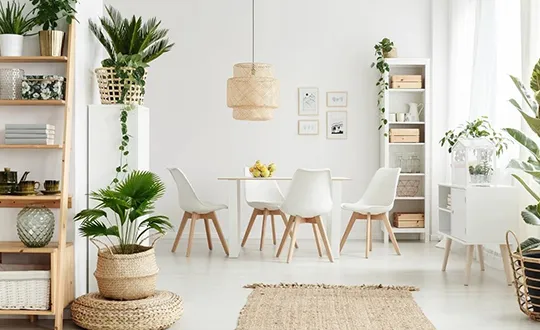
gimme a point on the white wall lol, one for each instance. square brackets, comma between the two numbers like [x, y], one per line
[327, 44]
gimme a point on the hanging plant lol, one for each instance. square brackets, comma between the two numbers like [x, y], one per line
[382, 49]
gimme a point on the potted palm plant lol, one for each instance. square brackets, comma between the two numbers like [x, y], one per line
[14, 25]
[131, 44]
[528, 255]
[126, 269]
[48, 13]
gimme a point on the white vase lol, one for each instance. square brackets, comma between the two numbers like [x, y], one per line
[11, 44]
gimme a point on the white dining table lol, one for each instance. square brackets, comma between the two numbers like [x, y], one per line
[236, 196]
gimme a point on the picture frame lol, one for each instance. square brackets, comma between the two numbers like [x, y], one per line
[337, 99]
[336, 125]
[308, 101]
[308, 127]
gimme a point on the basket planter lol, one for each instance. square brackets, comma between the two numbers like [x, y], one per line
[127, 276]
[110, 87]
[526, 270]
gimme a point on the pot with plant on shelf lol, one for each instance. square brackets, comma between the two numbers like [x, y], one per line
[14, 26]
[48, 13]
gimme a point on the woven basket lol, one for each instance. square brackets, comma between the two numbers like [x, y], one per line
[127, 276]
[408, 188]
[110, 87]
[526, 279]
[24, 287]
[95, 312]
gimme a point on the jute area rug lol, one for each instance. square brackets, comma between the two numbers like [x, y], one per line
[331, 307]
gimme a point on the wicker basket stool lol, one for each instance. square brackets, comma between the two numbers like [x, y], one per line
[94, 312]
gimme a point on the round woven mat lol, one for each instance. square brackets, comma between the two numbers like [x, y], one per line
[159, 311]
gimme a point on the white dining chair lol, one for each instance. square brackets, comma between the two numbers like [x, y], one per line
[195, 209]
[309, 197]
[374, 204]
[265, 197]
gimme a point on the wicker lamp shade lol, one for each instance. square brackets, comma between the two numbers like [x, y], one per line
[252, 92]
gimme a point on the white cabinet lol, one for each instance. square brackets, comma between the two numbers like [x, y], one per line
[477, 215]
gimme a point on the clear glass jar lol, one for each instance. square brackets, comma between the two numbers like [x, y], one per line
[415, 164]
[35, 225]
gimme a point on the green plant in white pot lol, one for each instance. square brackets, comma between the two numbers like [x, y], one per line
[48, 13]
[126, 269]
[14, 25]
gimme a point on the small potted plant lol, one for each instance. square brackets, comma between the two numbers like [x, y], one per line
[126, 269]
[48, 13]
[131, 44]
[383, 50]
[14, 25]
[481, 173]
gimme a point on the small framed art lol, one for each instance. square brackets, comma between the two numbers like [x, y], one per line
[336, 125]
[308, 127]
[337, 99]
[308, 101]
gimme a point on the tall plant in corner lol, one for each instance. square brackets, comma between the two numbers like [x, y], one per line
[131, 44]
[382, 49]
[531, 115]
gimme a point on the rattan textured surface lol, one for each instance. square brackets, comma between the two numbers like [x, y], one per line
[110, 87]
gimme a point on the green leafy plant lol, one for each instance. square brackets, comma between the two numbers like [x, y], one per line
[13, 21]
[124, 213]
[381, 49]
[49, 12]
[481, 169]
[478, 128]
[531, 115]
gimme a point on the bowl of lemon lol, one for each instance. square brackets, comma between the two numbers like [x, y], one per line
[260, 170]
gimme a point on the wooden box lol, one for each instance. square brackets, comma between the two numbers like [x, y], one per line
[408, 220]
[404, 135]
[406, 78]
[406, 84]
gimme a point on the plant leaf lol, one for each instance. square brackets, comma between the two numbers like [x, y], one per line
[527, 95]
[522, 139]
[531, 215]
[526, 186]
[530, 243]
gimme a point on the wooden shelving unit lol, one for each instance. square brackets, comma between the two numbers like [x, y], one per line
[61, 252]
[395, 101]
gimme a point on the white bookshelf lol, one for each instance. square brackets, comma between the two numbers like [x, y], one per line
[396, 101]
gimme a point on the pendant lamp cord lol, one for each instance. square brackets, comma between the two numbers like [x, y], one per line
[253, 31]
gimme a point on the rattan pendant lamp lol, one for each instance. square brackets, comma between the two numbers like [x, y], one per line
[252, 92]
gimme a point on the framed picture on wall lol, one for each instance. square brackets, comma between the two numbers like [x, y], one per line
[308, 101]
[336, 125]
[337, 99]
[308, 127]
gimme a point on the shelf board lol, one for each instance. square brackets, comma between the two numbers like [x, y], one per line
[406, 90]
[412, 174]
[21, 201]
[415, 198]
[24, 312]
[32, 102]
[19, 247]
[406, 143]
[33, 59]
[31, 146]
[406, 123]
[445, 209]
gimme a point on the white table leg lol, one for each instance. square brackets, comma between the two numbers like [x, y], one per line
[235, 216]
[507, 263]
[334, 220]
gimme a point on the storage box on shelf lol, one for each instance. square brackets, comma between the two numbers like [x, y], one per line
[407, 142]
[408, 220]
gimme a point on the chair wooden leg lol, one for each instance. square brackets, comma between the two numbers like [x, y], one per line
[368, 234]
[293, 239]
[274, 240]
[250, 226]
[324, 237]
[285, 223]
[468, 264]
[263, 228]
[507, 263]
[219, 232]
[180, 231]
[391, 233]
[316, 234]
[208, 234]
[194, 217]
[347, 231]
[288, 225]
[447, 248]
[481, 257]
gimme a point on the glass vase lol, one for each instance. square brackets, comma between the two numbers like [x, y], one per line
[35, 225]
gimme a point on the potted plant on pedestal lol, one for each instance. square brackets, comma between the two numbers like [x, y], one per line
[131, 44]
[126, 269]
[48, 12]
[14, 25]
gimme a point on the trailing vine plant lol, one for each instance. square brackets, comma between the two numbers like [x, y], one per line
[381, 49]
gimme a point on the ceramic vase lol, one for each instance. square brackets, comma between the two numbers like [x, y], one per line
[35, 225]
[11, 44]
[11, 84]
[51, 42]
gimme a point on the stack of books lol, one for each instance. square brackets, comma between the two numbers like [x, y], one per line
[29, 134]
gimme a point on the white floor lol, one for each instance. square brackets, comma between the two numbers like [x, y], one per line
[211, 285]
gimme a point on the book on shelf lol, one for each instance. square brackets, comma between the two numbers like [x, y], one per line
[30, 131]
[29, 126]
[29, 136]
[29, 141]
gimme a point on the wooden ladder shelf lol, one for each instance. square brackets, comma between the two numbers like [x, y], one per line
[62, 263]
